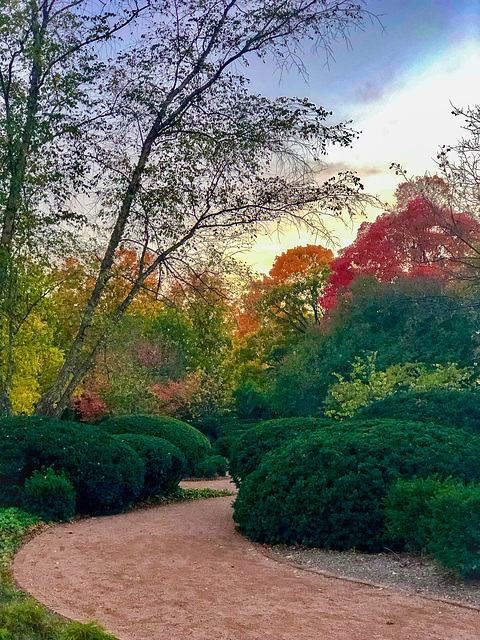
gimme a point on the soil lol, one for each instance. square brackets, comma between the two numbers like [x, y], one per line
[182, 572]
[412, 573]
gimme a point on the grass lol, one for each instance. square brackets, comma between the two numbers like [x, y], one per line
[187, 495]
[21, 617]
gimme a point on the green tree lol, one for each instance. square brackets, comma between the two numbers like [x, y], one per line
[182, 161]
[366, 384]
[411, 320]
[48, 62]
[29, 351]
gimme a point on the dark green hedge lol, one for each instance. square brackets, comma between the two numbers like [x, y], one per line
[164, 463]
[248, 450]
[438, 517]
[193, 444]
[212, 466]
[444, 406]
[228, 433]
[107, 474]
[49, 495]
[327, 489]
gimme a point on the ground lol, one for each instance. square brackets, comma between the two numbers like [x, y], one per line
[182, 572]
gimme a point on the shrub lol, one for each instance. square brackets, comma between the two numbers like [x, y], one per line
[405, 506]
[248, 450]
[444, 406]
[49, 495]
[13, 522]
[164, 463]
[27, 619]
[444, 521]
[228, 433]
[106, 473]
[451, 528]
[211, 466]
[193, 444]
[250, 403]
[88, 631]
[367, 384]
[327, 489]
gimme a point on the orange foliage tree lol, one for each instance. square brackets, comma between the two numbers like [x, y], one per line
[289, 294]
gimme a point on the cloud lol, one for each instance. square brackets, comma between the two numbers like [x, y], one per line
[363, 170]
[369, 92]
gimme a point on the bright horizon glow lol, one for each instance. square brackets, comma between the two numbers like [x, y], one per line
[406, 124]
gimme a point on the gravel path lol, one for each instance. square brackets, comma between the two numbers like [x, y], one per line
[181, 572]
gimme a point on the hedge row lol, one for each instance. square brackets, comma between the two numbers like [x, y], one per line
[454, 407]
[193, 444]
[328, 488]
[58, 467]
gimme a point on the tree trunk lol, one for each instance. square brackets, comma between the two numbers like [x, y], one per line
[71, 372]
[18, 169]
[5, 404]
[6, 410]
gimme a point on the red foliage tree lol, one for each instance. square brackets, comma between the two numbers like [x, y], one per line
[422, 236]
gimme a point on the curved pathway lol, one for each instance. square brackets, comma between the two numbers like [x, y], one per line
[181, 572]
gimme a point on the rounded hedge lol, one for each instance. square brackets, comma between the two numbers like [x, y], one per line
[212, 466]
[49, 495]
[248, 450]
[164, 463]
[228, 432]
[443, 406]
[107, 474]
[327, 489]
[193, 444]
[438, 517]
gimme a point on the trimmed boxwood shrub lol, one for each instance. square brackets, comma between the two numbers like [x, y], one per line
[211, 466]
[451, 528]
[228, 433]
[443, 406]
[327, 489]
[106, 473]
[193, 444]
[49, 495]
[405, 505]
[164, 463]
[248, 450]
[439, 517]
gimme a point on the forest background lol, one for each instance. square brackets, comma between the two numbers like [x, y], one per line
[135, 161]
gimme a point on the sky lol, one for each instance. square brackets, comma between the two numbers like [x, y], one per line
[397, 81]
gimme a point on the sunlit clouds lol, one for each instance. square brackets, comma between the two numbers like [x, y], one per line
[404, 116]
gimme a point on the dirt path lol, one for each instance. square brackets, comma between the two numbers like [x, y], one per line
[181, 572]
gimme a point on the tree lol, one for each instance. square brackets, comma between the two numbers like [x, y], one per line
[421, 236]
[277, 311]
[366, 384]
[181, 156]
[47, 64]
[298, 278]
[163, 359]
[459, 163]
[289, 294]
[29, 351]
[409, 320]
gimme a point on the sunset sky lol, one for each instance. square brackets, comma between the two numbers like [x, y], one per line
[397, 85]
